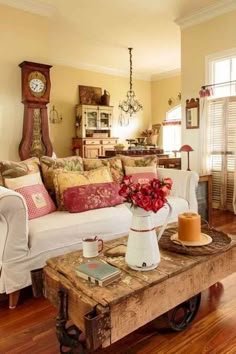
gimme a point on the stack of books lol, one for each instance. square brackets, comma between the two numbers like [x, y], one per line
[98, 272]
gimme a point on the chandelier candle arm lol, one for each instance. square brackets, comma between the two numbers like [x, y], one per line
[130, 104]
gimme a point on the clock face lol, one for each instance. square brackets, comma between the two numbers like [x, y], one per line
[37, 83]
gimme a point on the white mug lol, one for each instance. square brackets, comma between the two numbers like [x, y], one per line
[92, 246]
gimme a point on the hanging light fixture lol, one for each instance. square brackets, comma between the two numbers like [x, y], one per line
[130, 104]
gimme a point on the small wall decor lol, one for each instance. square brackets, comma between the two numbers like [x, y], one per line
[54, 116]
[192, 113]
[90, 95]
[172, 100]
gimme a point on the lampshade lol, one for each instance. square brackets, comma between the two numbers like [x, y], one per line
[186, 148]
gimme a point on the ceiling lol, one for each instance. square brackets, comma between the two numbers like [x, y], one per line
[95, 34]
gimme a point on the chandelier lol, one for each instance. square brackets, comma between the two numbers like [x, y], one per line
[130, 104]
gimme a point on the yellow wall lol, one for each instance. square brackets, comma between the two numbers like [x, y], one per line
[65, 95]
[22, 37]
[26, 36]
[161, 91]
[197, 43]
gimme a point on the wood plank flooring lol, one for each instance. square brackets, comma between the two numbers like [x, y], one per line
[30, 328]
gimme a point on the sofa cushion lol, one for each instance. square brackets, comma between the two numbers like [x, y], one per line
[114, 163]
[12, 169]
[61, 229]
[92, 196]
[141, 174]
[49, 165]
[37, 199]
[66, 179]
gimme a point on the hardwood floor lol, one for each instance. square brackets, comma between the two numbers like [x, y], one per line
[30, 328]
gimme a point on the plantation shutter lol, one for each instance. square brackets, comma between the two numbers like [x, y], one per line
[222, 128]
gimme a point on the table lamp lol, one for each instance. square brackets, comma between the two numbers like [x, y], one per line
[186, 148]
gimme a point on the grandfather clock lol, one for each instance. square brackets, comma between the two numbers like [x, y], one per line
[35, 97]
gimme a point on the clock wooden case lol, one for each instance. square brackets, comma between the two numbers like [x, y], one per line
[36, 85]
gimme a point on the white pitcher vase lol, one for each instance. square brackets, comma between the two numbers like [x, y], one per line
[142, 248]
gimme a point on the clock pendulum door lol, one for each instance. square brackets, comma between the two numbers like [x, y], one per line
[35, 139]
[35, 96]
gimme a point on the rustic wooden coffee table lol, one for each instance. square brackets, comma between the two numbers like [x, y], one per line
[107, 314]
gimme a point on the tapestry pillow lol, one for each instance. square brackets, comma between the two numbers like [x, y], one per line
[49, 165]
[114, 163]
[12, 169]
[139, 161]
[35, 194]
[92, 196]
[66, 179]
[141, 175]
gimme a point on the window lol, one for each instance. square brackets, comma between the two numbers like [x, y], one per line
[221, 112]
[222, 71]
[172, 130]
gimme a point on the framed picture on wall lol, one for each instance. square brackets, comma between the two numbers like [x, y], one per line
[90, 95]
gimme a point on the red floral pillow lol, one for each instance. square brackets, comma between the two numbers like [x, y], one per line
[92, 196]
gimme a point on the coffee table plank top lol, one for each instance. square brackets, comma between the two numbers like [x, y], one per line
[131, 281]
[138, 297]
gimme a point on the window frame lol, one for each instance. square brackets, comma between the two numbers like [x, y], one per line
[172, 122]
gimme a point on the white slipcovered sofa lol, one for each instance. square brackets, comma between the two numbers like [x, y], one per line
[25, 244]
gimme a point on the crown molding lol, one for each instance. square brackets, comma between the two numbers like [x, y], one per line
[100, 69]
[207, 13]
[32, 6]
[165, 75]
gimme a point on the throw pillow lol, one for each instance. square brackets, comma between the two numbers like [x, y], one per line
[141, 174]
[139, 161]
[114, 163]
[92, 196]
[35, 194]
[66, 179]
[12, 169]
[49, 165]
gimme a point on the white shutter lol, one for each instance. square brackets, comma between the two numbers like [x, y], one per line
[230, 148]
[221, 144]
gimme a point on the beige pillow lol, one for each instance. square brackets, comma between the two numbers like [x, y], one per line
[114, 163]
[12, 169]
[66, 179]
[49, 165]
[139, 161]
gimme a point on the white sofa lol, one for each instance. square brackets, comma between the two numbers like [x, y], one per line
[26, 245]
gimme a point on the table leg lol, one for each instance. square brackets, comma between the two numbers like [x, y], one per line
[68, 337]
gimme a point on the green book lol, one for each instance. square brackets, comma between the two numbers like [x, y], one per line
[98, 272]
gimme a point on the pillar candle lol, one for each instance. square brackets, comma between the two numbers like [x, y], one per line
[189, 227]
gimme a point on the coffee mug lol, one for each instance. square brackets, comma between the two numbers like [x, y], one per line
[92, 246]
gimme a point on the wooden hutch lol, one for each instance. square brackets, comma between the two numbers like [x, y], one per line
[93, 131]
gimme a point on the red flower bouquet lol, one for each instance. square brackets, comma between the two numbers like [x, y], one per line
[150, 196]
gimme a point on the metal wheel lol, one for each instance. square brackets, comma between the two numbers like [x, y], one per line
[182, 315]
